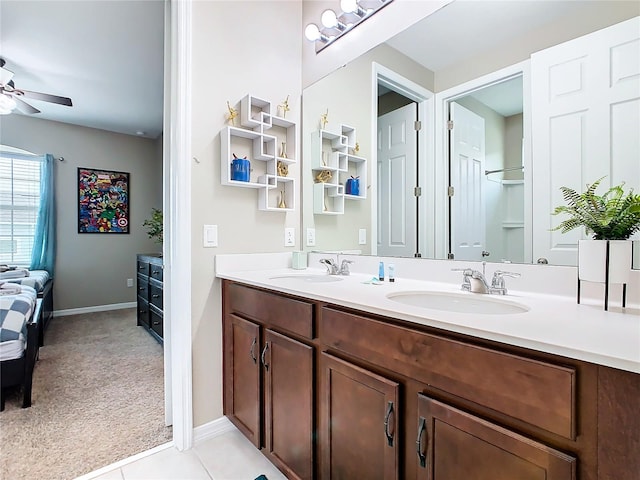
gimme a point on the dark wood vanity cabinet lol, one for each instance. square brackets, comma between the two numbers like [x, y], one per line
[358, 422]
[268, 376]
[453, 444]
[333, 393]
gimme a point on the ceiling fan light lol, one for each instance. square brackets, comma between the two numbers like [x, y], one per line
[7, 104]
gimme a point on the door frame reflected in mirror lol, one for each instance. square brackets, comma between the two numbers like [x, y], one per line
[424, 99]
[442, 151]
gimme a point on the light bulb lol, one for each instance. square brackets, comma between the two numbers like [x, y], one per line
[349, 6]
[7, 104]
[329, 18]
[312, 32]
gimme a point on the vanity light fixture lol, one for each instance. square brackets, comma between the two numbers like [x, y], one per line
[334, 25]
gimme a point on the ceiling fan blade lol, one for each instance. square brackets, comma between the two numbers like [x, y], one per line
[45, 97]
[23, 106]
[5, 76]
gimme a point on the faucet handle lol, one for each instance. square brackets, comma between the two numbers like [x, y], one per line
[498, 278]
[344, 267]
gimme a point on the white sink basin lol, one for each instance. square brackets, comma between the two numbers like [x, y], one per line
[459, 302]
[309, 278]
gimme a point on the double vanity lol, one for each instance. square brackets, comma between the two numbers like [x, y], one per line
[339, 376]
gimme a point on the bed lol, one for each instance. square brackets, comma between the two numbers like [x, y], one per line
[20, 322]
[41, 281]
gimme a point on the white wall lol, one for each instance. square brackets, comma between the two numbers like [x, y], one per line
[239, 47]
[347, 94]
[595, 16]
[92, 269]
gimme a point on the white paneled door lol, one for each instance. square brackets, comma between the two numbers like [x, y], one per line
[467, 214]
[585, 125]
[397, 177]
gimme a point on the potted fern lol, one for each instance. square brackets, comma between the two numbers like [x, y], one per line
[154, 225]
[611, 219]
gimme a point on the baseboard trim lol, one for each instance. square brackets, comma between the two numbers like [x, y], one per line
[126, 461]
[97, 308]
[212, 429]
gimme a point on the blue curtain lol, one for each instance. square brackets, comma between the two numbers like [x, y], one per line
[44, 243]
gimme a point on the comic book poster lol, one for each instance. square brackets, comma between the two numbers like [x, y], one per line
[103, 201]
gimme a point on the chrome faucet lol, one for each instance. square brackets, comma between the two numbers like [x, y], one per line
[332, 266]
[474, 281]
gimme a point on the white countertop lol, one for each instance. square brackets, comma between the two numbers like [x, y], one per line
[553, 324]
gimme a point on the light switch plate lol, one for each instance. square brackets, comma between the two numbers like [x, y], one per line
[289, 237]
[362, 236]
[311, 237]
[210, 236]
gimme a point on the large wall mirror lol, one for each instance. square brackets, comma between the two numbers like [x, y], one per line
[441, 115]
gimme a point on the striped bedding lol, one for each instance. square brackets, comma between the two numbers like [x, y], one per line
[35, 278]
[15, 312]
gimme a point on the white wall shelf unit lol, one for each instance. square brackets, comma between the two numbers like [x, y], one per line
[265, 140]
[333, 152]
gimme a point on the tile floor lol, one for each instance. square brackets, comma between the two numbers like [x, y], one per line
[226, 457]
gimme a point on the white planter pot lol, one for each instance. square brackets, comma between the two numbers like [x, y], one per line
[592, 260]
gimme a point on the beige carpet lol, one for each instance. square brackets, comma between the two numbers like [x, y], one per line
[98, 397]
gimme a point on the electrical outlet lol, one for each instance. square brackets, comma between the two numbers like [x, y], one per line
[362, 236]
[129, 282]
[289, 237]
[311, 237]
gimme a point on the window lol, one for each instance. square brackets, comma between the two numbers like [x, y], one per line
[19, 204]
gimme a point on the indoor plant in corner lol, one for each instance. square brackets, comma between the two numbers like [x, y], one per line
[611, 219]
[154, 225]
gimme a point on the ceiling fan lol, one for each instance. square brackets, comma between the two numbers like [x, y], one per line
[11, 97]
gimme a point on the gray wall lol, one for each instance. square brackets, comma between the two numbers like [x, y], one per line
[92, 269]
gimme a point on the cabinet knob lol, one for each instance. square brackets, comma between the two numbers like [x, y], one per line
[155, 272]
[155, 295]
[142, 311]
[156, 322]
[140, 288]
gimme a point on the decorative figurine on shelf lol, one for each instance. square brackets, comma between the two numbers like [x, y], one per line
[283, 150]
[324, 159]
[323, 176]
[356, 149]
[284, 107]
[352, 186]
[282, 204]
[231, 116]
[240, 169]
[283, 169]
[324, 119]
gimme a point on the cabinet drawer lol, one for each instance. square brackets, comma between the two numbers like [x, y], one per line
[143, 287]
[155, 318]
[155, 271]
[143, 268]
[278, 312]
[143, 311]
[155, 294]
[539, 393]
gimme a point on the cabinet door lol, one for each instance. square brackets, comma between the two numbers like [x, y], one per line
[452, 444]
[288, 369]
[358, 422]
[242, 376]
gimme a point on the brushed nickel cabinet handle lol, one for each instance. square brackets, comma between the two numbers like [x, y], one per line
[262, 356]
[387, 432]
[422, 454]
[252, 351]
